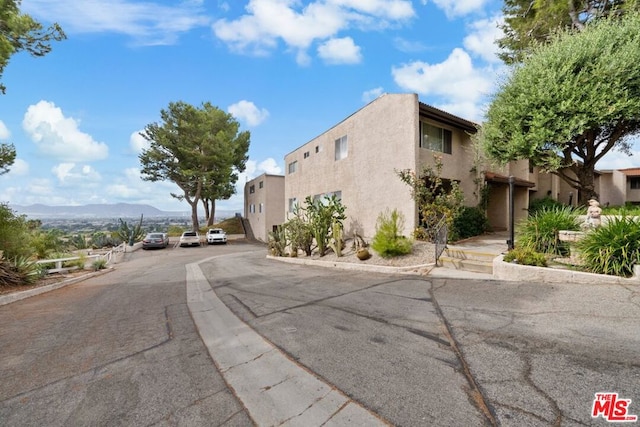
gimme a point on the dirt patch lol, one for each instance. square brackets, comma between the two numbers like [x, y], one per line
[47, 280]
[422, 253]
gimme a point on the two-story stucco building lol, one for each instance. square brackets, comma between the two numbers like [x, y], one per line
[264, 204]
[359, 158]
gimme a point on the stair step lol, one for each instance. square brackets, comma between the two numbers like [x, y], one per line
[478, 266]
[469, 254]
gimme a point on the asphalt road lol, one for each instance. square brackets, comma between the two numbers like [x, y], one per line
[445, 352]
[122, 349]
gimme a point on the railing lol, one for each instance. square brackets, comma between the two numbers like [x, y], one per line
[107, 256]
[440, 237]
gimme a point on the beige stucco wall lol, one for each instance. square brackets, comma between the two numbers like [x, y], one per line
[382, 138]
[271, 198]
[455, 166]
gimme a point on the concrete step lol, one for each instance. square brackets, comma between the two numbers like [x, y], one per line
[477, 266]
[469, 254]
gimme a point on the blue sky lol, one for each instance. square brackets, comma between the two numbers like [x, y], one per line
[287, 70]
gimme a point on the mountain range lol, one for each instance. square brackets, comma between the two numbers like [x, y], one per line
[117, 210]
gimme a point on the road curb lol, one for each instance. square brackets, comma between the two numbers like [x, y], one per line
[274, 389]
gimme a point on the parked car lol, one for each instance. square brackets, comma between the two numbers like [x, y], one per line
[190, 238]
[155, 240]
[216, 235]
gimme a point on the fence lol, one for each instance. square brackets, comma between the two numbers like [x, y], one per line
[440, 237]
[109, 257]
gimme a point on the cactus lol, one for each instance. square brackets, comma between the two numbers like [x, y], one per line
[336, 233]
[130, 235]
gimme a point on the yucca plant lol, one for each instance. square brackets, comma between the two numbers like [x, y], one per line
[612, 248]
[540, 230]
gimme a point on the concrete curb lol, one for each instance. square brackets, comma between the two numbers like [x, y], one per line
[516, 272]
[17, 296]
[421, 269]
[274, 389]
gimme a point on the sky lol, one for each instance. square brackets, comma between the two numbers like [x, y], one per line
[287, 70]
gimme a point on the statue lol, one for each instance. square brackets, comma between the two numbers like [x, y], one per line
[593, 214]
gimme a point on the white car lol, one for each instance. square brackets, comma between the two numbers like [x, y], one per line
[190, 238]
[216, 235]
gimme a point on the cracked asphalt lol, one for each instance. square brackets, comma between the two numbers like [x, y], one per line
[122, 348]
[445, 352]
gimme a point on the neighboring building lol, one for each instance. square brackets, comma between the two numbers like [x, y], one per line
[263, 204]
[618, 187]
[358, 160]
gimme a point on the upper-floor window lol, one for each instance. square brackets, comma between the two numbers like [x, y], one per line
[252, 189]
[341, 148]
[634, 182]
[293, 202]
[306, 154]
[435, 138]
[318, 148]
[260, 207]
[252, 208]
[293, 166]
[261, 184]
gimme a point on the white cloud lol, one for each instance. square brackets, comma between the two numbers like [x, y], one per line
[454, 8]
[482, 38]
[138, 142]
[247, 111]
[148, 23]
[18, 168]
[59, 136]
[340, 51]
[299, 24]
[68, 173]
[372, 94]
[4, 131]
[455, 79]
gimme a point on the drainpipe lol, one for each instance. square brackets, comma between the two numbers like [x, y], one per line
[510, 242]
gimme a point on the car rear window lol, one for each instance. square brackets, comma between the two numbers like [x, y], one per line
[190, 234]
[156, 236]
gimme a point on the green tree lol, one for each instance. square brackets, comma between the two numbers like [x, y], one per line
[201, 150]
[20, 32]
[15, 237]
[7, 157]
[531, 22]
[570, 103]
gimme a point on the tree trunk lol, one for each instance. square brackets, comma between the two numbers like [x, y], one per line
[195, 224]
[205, 203]
[212, 214]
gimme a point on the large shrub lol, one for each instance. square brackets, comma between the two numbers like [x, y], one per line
[540, 230]
[470, 221]
[613, 248]
[546, 203]
[388, 240]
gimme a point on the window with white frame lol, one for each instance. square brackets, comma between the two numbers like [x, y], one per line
[252, 189]
[341, 148]
[293, 202]
[293, 166]
[435, 138]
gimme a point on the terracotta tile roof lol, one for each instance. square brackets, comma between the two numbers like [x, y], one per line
[631, 171]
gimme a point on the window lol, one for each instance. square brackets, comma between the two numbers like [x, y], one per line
[292, 204]
[260, 207]
[261, 184]
[293, 166]
[635, 183]
[252, 208]
[318, 148]
[306, 154]
[252, 189]
[435, 138]
[341, 148]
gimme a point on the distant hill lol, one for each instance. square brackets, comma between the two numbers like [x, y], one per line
[118, 210]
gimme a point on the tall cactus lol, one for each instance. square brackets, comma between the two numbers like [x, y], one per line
[130, 235]
[336, 234]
